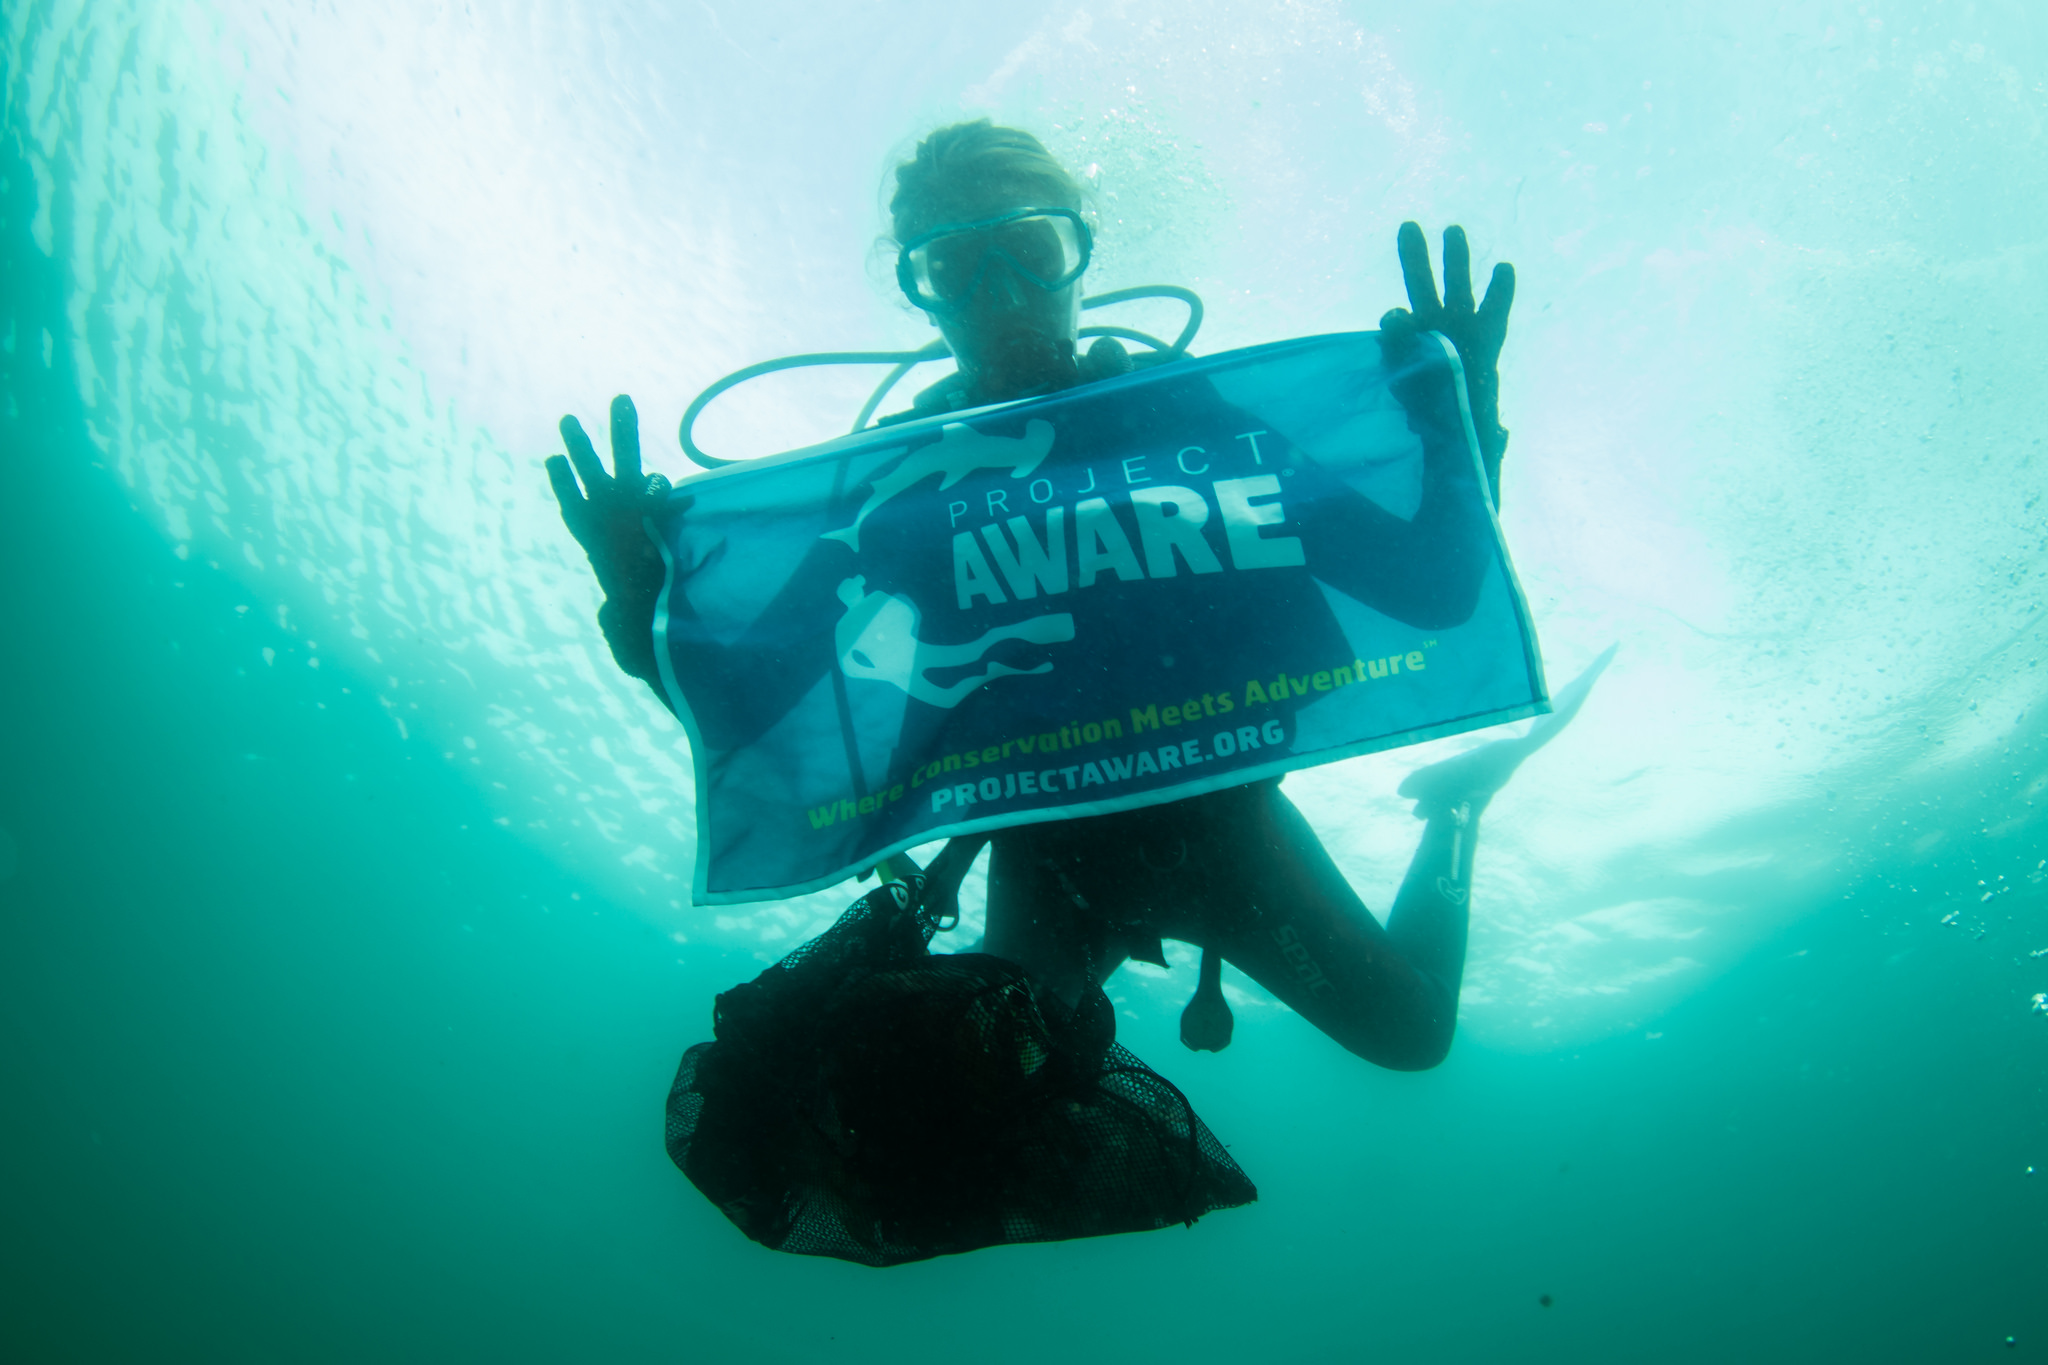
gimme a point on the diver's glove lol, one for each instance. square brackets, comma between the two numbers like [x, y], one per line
[1478, 333]
[607, 515]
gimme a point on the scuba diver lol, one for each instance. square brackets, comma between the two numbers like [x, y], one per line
[992, 247]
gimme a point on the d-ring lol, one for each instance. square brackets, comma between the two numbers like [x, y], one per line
[1180, 856]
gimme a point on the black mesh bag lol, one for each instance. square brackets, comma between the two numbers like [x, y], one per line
[868, 1100]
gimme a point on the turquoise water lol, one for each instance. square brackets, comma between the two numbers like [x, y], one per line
[344, 956]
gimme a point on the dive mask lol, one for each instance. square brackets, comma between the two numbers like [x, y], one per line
[940, 270]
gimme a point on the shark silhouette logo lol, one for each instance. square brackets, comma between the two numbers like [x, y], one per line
[877, 640]
[959, 451]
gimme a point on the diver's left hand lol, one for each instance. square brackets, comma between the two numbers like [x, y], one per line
[1478, 332]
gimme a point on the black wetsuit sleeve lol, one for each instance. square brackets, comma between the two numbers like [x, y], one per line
[627, 622]
[1425, 571]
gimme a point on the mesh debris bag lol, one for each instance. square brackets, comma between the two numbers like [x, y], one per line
[868, 1100]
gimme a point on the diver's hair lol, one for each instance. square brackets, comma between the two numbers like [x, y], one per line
[982, 152]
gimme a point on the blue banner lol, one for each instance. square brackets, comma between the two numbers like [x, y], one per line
[1131, 592]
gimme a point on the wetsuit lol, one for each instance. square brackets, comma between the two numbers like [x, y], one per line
[1238, 871]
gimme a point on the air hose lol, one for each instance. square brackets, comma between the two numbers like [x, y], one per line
[903, 361]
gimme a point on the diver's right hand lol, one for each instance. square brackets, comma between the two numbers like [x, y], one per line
[607, 515]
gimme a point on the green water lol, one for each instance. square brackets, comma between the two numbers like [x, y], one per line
[341, 973]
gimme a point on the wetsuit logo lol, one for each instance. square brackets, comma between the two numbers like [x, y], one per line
[1305, 969]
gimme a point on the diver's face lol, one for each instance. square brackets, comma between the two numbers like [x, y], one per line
[1009, 337]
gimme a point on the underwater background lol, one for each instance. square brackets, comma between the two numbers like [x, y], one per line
[345, 945]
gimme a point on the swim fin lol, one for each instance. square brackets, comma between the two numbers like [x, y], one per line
[1476, 775]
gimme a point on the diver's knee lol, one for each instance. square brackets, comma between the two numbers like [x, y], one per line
[1420, 1048]
[1427, 1056]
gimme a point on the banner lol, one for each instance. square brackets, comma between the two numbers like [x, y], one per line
[1138, 590]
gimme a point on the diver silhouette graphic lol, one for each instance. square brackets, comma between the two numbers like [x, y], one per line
[877, 640]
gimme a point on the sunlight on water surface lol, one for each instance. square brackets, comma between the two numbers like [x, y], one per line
[1771, 380]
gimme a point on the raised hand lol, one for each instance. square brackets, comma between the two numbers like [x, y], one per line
[607, 515]
[1477, 332]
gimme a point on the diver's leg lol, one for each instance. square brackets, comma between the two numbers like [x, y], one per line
[1294, 925]
[1038, 915]
[1240, 873]
[1390, 995]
